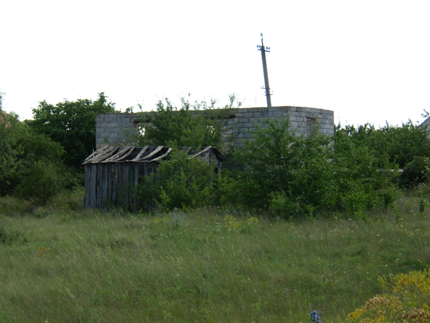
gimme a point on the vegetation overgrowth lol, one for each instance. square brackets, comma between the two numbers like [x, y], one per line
[278, 172]
[63, 263]
[193, 124]
[293, 226]
[42, 157]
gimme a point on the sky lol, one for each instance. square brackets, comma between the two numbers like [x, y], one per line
[368, 61]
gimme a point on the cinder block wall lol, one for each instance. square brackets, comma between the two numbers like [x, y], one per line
[116, 128]
[122, 128]
[302, 120]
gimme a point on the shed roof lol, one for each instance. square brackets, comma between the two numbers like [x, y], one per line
[146, 154]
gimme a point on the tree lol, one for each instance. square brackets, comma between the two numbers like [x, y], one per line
[365, 177]
[285, 173]
[399, 144]
[11, 132]
[193, 125]
[293, 176]
[1, 101]
[406, 147]
[72, 124]
[25, 156]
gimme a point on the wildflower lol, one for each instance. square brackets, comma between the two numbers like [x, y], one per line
[231, 223]
[314, 317]
[42, 252]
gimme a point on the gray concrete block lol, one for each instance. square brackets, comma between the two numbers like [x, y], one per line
[275, 114]
[110, 125]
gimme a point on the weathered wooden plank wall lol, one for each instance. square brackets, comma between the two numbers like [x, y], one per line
[113, 173]
[113, 184]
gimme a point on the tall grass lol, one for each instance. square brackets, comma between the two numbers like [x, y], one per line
[64, 264]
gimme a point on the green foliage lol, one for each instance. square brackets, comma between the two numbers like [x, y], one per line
[295, 176]
[180, 182]
[406, 147]
[72, 124]
[9, 237]
[23, 157]
[407, 299]
[11, 134]
[399, 144]
[415, 172]
[40, 182]
[365, 178]
[191, 125]
[282, 171]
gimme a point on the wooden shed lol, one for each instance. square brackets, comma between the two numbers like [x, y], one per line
[113, 172]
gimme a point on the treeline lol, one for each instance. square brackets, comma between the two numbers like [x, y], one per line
[278, 173]
[41, 157]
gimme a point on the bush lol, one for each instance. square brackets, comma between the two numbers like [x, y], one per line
[407, 300]
[180, 182]
[42, 181]
[71, 124]
[192, 125]
[281, 205]
[23, 154]
[282, 171]
[405, 146]
[364, 178]
[416, 172]
[294, 176]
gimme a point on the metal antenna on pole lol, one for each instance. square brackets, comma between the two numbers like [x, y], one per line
[266, 76]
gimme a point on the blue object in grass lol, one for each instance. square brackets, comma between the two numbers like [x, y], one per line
[314, 317]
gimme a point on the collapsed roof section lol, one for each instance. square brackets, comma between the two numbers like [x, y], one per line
[146, 154]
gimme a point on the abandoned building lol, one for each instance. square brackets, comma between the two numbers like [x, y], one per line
[122, 128]
[112, 173]
[115, 169]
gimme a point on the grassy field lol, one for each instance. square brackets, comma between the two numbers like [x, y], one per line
[64, 264]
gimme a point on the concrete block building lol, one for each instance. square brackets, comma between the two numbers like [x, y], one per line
[122, 128]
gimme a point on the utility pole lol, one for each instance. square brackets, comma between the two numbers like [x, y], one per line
[266, 76]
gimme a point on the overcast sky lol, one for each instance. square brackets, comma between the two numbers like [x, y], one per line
[368, 61]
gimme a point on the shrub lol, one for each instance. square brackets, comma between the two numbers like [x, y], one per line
[71, 124]
[364, 178]
[180, 182]
[296, 176]
[193, 124]
[407, 300]
[407, 146]
[42, 181]
[416, 172]
[23, 154]
[11, 236]
[285, 173]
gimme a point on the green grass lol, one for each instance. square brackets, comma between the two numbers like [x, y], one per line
[64, 264]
